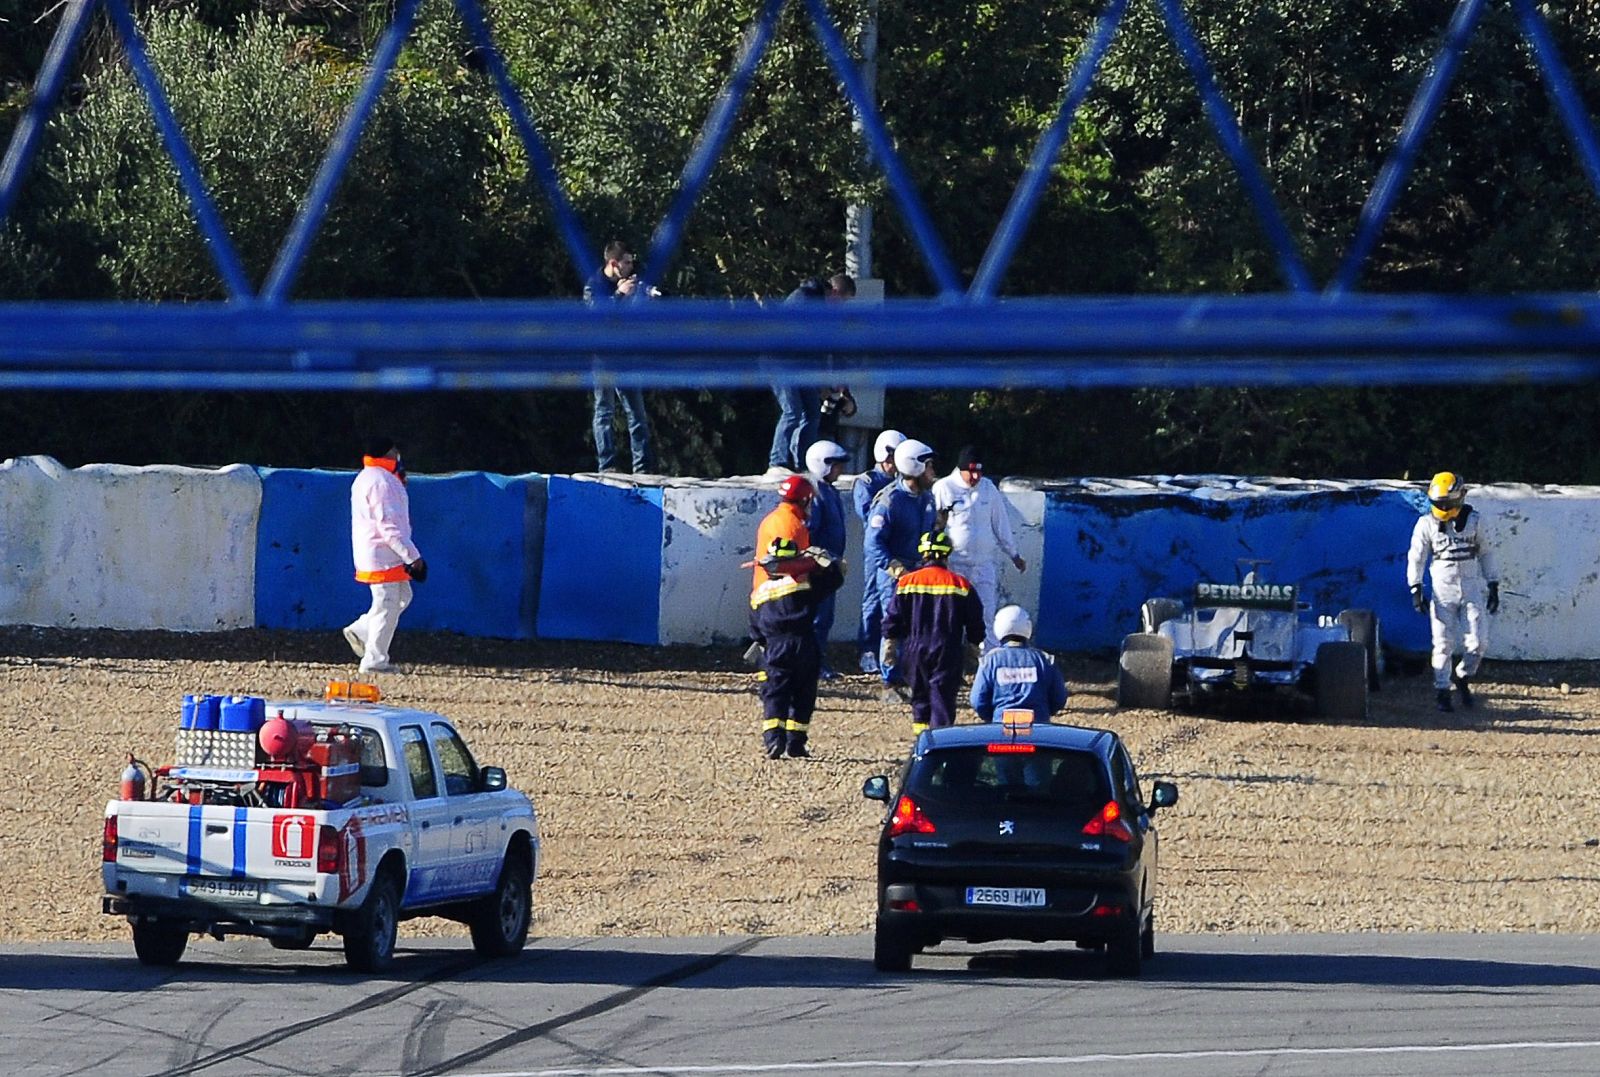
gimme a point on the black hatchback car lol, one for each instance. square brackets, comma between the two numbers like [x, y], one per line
[1037, 833]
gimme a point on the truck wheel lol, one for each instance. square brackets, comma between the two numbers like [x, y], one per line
[1342, 682]
[891, 950]
[1144, 672]
[1363, 628]
[499, 923]
[1123, 953]
[369, 942]
[1157, 611]
[159, 942]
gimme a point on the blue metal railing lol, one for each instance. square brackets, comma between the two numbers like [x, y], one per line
[266, 340]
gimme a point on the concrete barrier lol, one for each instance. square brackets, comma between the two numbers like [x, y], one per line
[473, 528]
[110, 546]
[586, 557]
[601, 577]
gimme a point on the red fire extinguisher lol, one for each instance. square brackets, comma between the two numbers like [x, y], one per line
[134, 779]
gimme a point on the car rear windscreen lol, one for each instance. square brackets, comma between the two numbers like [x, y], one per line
[974, 776]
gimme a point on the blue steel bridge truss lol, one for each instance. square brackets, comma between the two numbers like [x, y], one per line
[965, 336]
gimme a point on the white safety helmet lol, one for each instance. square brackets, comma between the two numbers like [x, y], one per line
[822, 455]
[911, 457]
[887, 443]
[1013, 621]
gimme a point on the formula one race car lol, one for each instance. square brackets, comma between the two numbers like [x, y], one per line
[1247, 639]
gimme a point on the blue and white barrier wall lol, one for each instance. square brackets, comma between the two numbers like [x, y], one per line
[655, 562]
[108, 546]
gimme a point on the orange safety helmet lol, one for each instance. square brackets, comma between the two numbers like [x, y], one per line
[796, 488]
[1446, 494]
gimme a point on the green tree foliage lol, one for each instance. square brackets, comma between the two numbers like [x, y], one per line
[439, 202]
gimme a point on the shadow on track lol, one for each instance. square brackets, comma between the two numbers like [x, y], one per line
[736, 968]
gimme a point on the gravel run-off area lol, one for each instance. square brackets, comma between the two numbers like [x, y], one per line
[661, 816]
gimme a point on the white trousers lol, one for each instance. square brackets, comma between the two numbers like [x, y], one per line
[984, 575]
[1457, 626]
[375, 628]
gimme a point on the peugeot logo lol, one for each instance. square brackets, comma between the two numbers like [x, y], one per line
[1007, 827]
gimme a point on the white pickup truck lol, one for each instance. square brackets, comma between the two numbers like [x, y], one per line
[430, 833]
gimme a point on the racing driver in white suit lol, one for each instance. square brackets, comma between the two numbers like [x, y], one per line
[1466, 584]
[974, 515]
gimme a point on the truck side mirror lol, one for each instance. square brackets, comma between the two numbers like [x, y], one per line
[491, 779]
[876, 788]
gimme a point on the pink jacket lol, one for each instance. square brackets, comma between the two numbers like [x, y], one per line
[380, 526]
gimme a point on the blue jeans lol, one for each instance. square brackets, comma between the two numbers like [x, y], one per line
[823, 623]
[605, 436]
[800, 413]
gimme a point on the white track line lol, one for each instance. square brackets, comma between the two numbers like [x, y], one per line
[1050, 1060]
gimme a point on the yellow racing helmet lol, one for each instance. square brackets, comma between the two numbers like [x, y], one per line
[1446, 493]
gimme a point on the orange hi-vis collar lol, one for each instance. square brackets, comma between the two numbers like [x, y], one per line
[391, 466]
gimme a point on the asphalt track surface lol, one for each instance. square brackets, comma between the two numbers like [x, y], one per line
[1285, 1005]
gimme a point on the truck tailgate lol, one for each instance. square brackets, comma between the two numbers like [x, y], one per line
[217, 853]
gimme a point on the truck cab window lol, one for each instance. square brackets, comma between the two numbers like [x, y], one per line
[460, 772]
[419, 764]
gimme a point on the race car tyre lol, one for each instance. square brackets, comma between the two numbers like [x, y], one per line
[369, 941]
[499, 924]
[1147, 941]
[1157, 611]
[1124, 953]
[891, 950]
[1144, 672]
[159, 942]
[299, 941]
[1363, 628]
[1342, 682]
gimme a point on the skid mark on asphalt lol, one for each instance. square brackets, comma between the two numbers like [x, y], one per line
[424, 1044]
[198, 1034]
[447, 971]
[1264, 1055]
[610, 1002]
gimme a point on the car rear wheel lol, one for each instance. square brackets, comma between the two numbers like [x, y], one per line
[1157, 611]
[500, 923]
[1342, 682]
[1147, 940]
[1144, 672]
[159, 942]
[891, 949]
[1124, 952]
[1363, 628]
[369, 944]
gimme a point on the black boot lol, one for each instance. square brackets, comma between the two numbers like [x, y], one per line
[1461, 686]
[1441, 700]
[796, 748]
[773, 740]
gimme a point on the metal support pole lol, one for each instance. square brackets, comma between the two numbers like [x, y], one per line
[858, 216]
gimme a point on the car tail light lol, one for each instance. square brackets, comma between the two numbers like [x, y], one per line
[1009, 748]
[108, 841]
[905, 905]
[908, 819]
[330, 851]
[1108, 911]
[1108, 823]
